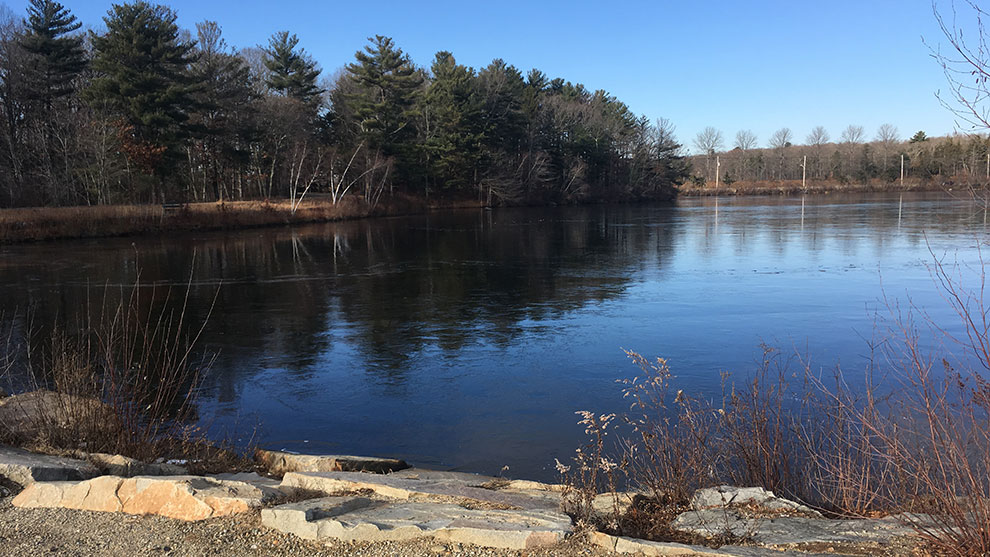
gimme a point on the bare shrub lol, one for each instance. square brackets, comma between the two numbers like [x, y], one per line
[124, 379]
[913, 440]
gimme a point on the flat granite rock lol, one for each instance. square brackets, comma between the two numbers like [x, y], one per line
[180, 497]
[24, 468]
[373, 520]
[424, 484]
[727, 496]
[280, 462]
[119, 465]
[788, 531]
[623, 545]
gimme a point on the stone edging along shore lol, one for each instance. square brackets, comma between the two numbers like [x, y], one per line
[363, 499]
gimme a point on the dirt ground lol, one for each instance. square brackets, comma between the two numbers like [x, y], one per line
[37, 532]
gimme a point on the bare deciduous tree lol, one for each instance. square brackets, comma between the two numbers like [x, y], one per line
[781, 138]
[13, 60]
[853, 134]
[966, 65]
[887, 137]
[887, 134]
[817, 139]
[745, 140]
[708, 141]
[819, 136]
[780, 141]
[851, 137]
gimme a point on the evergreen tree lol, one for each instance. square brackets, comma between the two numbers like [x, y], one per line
[453, 116]
[386, 99]
[292, 72]
[60, 56]
[223, 122]
[501, 88]
[142, 78]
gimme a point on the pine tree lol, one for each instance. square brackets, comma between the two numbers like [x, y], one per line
[453, 110]
[143, 79]
[388, 88]
[501, 88]
[293, 73]
[223, 123]
[60, 56]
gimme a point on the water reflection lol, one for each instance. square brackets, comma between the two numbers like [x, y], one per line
[469, 338]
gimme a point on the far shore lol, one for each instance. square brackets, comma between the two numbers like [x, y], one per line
[819, 187]
[100, 221]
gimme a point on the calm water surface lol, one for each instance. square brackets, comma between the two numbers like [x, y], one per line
[467, 340]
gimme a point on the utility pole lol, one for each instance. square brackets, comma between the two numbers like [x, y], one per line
[902, 171]
[804, 172]
[718, 164]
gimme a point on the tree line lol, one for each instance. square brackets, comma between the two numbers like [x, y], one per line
[147, 112]
[852, 158]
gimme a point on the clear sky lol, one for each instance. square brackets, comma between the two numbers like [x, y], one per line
[758, 65]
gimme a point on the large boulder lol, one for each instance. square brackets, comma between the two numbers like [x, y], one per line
[375, 520]
[280, 463]
[179, 497]
[23, 468]
[729, 496]
[36, 415]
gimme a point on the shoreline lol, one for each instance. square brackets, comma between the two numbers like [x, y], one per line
[295, 504]
[793, 187]
[38, 224]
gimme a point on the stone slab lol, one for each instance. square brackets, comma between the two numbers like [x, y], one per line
[784, 531]
[447, 486]
[280, 462]
[623, 545]
[374, 520]
[119, 465]
[180, 497]
[726, 496]
[24, 468]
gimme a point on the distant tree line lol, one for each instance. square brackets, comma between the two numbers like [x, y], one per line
[144, 111]
[851, 158]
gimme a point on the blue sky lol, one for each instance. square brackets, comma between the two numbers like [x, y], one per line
[758, 65]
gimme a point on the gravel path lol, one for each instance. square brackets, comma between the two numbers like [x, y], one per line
[37, 532]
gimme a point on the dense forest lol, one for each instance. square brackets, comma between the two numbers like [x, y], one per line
[143, 111]
[853, 158]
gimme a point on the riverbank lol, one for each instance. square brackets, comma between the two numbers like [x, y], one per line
[50, 223]
[339, 505]
[103, 221]
[96, 534]
[816, 187]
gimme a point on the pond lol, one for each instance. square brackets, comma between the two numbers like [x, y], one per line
[467, 339]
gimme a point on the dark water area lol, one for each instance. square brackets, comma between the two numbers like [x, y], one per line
[467, 340]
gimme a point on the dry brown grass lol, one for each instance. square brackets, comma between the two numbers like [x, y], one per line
[46, 223]
[124, 380]
[793, 187]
